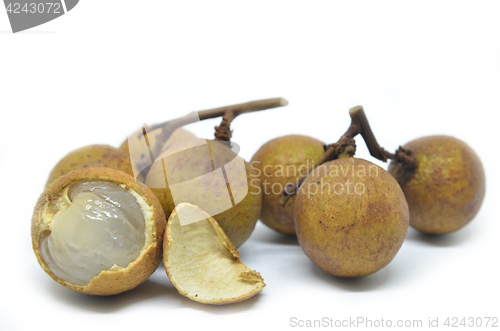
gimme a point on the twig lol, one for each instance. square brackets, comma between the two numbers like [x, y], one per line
[359, 125]
[229, 113]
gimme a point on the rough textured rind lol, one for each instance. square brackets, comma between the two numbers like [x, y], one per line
[294, 151]
[448, 187]
[351, 235]
[111, 281]
[218, 248]
[237, 222]
[93, 156]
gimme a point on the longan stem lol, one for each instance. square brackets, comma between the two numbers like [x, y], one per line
[358, 115]
[238, 109]
[242, 108]
[223, 131]
[346, 144]
[403, 156]
[229, 112]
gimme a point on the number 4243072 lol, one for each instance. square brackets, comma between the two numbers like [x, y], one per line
[34, 8]
[454, 322]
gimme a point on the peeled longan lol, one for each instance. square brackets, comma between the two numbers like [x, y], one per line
[97, 232]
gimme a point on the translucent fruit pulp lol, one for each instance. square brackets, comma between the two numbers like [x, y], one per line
[103, 227]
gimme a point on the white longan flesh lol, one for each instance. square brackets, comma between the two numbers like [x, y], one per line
[102, 228]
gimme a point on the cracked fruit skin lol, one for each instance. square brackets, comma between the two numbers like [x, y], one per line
[93, 156]
[447, 188]
[237, 222]
[97, 232]
[288, 153]
[357, 224]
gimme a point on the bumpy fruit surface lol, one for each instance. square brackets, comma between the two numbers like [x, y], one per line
[238, 221]
[93, 156]
[281, 161]
[447, 188]
[351, 217]
[97, 232]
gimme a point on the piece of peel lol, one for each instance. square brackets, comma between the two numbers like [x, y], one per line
[203, 264]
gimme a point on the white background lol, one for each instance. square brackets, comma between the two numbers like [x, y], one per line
[101, 71]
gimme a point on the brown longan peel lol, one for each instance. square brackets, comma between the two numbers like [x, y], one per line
[351, 217]
[234, 202]
[442, 177]
[93, 156]
[438, 186]
[446, 186]
[281, 161]
[238, 220]
[179, 135]
[202, 263]
[98, 232]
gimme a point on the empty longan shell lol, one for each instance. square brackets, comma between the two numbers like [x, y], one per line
[202, 263]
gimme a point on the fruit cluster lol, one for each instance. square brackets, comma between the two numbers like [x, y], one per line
[351, 216]
[108, 216]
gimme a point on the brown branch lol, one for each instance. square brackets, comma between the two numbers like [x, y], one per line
[243, 108]
[358, 115]
[345, 144]
[229, 113]
[359, 125]
[170, 126]
[403, 156]
[238, 109]
[223, 131]
[247, 107]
